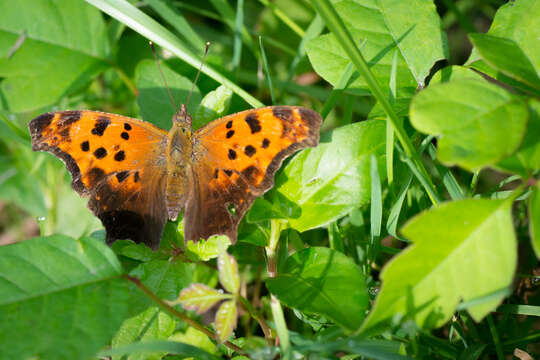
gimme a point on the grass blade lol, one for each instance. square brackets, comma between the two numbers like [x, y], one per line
[126, 13]
[267, 71]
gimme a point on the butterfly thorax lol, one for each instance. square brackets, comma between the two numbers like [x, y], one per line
[179, 149]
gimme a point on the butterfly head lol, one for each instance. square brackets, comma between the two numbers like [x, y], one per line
[182, 118]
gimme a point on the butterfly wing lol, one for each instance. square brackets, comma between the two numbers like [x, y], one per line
[116, 161]
[235, 159]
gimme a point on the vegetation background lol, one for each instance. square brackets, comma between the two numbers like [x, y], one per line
[412, 231]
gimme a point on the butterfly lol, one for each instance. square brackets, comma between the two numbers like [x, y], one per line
[138, 175]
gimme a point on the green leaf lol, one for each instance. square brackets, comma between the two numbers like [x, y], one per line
[208, 249]
[196, 338]
[506, 56]
[387, 27]
[170, 347]
[479, 123]
[454, 244]
[314, 280]
[225, 322]
[228, 272]
[60, 51]
[527, 158]
[454, 72]
[534, 219]
[55, 289]
[199, 297]
[329, 181]
[154, 101]
[518, 21]
[214, 105]
[150, 325]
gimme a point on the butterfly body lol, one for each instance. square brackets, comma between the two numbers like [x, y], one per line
[137, 175]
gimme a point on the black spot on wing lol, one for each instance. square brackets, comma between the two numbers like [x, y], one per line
[249, 150]
[253, 122]
[228, 172]
[230, 134]
[124, 135]
[85, 146]
[231, 154]
[100, 153]
[216, 173]
[101, 125]
[122, 175]
[265, 143]
[136, 176]
[229, 124]
[127, 126]
[64, 133]
[120, 156]
[68, 117]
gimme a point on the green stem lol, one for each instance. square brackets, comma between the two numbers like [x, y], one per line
[179, 315]
[277, 312]
[337, 27]
[254, 314]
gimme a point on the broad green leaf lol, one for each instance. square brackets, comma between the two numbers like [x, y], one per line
[411, 29]
[314, 280]
[165, 278]
[478, 123]
[154, 101]
[61, 298]
[214, 105]
[272, 206]
[506, 56]
[199, 297]
[453, 246]
[329, 181]
[454, 72]
[534, 219]
[225, 322]
[228, 272]
[150, 325]
[168, 347]
[209, 248]
[527, 158]
[65, 48]
[196, 338]
[518, 21]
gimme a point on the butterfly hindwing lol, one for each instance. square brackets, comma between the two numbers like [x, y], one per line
[235, 159]
[118, 162]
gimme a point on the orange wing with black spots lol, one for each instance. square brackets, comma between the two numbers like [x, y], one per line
[235, 159]
[118, 162]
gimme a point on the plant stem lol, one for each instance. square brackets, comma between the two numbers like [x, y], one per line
[277, 312]
[179, 315]
[253, 313]
[337, 27]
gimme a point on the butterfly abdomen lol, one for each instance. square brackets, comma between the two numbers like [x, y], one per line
[178, 150]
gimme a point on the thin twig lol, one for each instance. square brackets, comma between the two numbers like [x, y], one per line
[179, 315]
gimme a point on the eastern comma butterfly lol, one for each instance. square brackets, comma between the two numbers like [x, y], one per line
[137, 175]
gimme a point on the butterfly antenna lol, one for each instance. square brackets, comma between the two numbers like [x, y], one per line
[198, 72]
[162, 76]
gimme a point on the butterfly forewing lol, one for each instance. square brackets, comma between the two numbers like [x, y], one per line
[119, 162]
[235, 159]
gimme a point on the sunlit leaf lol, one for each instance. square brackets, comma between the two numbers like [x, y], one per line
[225, 321]
[199, 297]
[228, 272]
